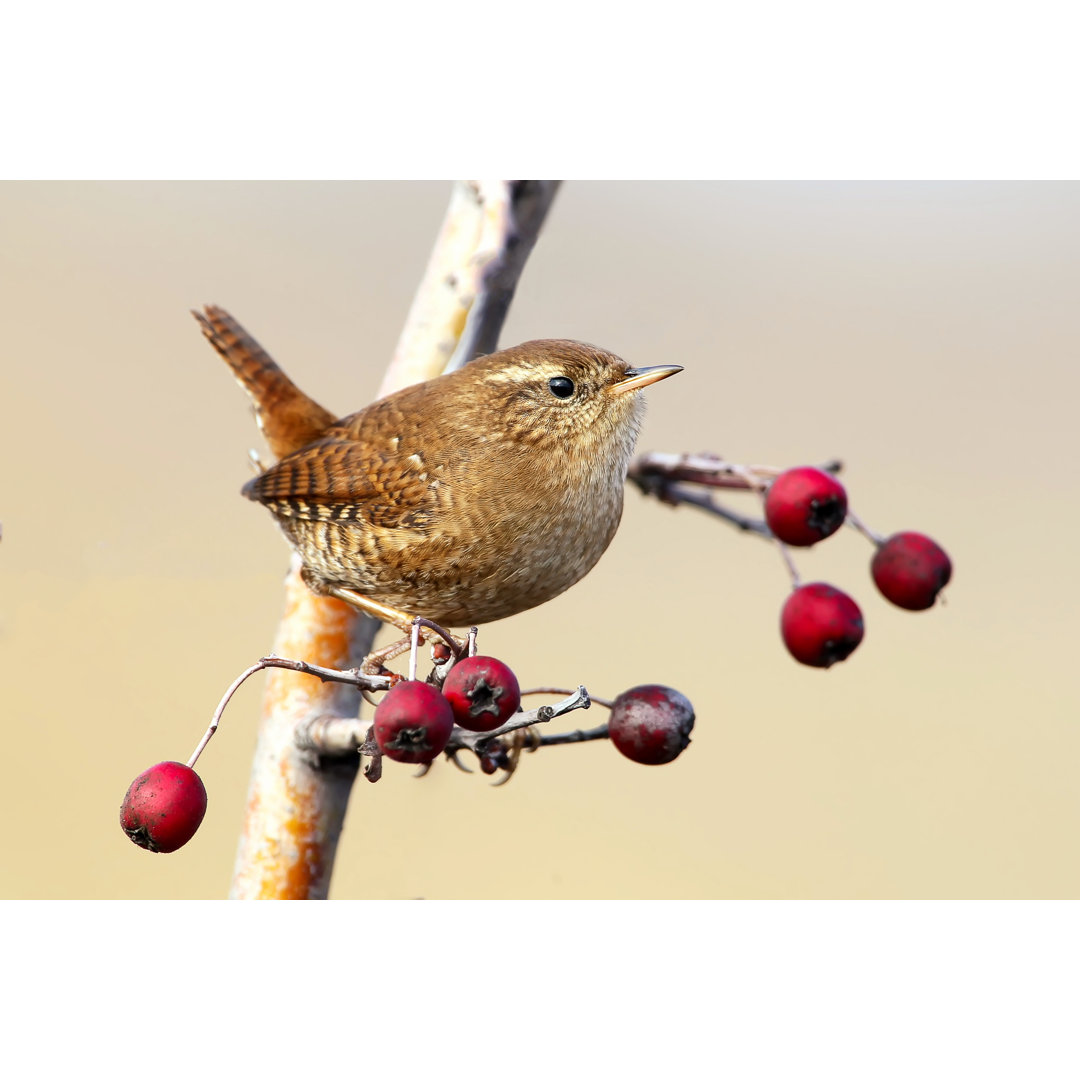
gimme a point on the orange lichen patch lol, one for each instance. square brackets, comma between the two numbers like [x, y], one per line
[457, 322]
[289, 863]
[316, 627]
[294, 817]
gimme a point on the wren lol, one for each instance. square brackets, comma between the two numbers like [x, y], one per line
[464, 499]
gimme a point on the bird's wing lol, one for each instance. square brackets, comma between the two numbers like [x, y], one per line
[338, 479]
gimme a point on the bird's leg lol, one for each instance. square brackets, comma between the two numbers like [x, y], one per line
[374, 661]
[382, 612]
[523, 739]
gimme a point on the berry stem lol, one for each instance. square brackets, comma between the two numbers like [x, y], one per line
[216, 719]
[789, 562]
[860, 526]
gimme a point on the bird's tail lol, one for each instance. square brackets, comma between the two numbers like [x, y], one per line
[287, 417]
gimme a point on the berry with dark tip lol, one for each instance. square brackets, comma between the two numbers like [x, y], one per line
[163, 807]
[495, 758]
[821, 625]
[910, 570]
[651, 724]
[413, 722]
[805, 505]
[483, 693]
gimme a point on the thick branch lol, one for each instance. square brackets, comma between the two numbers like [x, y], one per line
[507, 245]
[296, 804]
[297, 798]
[459, 309]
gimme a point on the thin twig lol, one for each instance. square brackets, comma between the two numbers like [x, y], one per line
[339, 736]
[655, 470]
[452, 643]
[414, 645]
[478, 740]
[563, 737]
[680, 494]
[666, 477]
[354, 677]
[563, 693]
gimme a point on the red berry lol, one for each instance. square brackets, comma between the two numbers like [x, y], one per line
[651, 724]
[805, 505]
[910, 570]
[821, 625]
[483, 693]
[164, 807]
[413, 722]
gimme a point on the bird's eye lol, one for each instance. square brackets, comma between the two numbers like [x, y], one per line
[561, 386]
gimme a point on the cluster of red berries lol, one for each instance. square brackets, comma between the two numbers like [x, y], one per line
[820, 624]
[165, 805]
[414, 719]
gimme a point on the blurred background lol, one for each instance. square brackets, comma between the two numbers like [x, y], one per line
[925, 333]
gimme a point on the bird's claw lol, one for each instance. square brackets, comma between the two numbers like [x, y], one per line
[453, 756]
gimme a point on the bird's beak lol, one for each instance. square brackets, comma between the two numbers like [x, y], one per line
[636, 378]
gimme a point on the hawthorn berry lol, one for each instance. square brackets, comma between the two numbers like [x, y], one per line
[163, 807]
[483, 693]
[805, 505]
[910, 570]
[821, 625]
[651, 724]
[413, 722]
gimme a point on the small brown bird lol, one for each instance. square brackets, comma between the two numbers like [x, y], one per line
[464, 499]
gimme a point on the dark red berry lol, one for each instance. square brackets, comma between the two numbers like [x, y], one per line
[164, 807]
[651, 724]
[821, 625]
[495, 758]
[413, 722]
[483, 693]
[805, 505]
[910, 570]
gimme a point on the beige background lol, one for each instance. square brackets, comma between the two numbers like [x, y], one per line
[925, 333]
